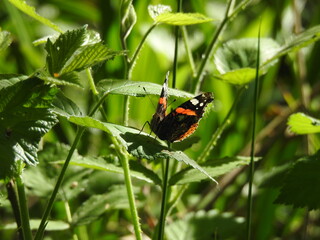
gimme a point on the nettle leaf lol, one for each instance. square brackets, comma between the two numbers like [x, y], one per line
[236, 59]
[25, 117]
[24, 7]
[136, 89]
[96, 205]
[68, 79]
[63, 106]
[300, 187]
[89, 55]
[214, 168]
[62, 49]
[181, 19]
[5, 40]
[137, 143]
[204, 225]
[301, 123]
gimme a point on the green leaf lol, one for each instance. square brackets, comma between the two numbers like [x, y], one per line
[5, 40]
[182, 19]
[24, 7]
[34, 224]
[96, 205]
[214, 168]
[156, 10]
[238, 76]
[236, 59]
[69, 79]
[63, 106]
[204, 225]
[137, 89]
[62, 49]
[24, 118]
[137, 143]
[300, 123]
[88, 56]
[300, 187]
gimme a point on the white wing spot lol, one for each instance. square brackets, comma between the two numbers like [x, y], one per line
[201, 104]
[194, 101]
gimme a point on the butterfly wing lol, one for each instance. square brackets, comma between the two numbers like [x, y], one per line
[183, 120]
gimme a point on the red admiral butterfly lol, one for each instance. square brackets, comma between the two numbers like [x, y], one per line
[181, 122]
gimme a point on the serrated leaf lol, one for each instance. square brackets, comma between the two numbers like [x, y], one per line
[138, 143]
[5, 40]
[63, 48]
[155, 10]
[63, 106]
[24, 118]
[182, 19]
[299, 187]
[88, 56]
[236, 59]
[34, 224]
[69, 79]
[301, 123]
[96, 205]
[214, 168]
[204, 225]
[24, 7]
[137, 89]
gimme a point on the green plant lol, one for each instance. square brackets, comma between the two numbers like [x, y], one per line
[119, 173]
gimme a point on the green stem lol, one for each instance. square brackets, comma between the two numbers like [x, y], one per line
[124, 158]
[136, 53]
[164, 200]
[188, 50]
[91, 82]
[45, 216]
[199, 77]
[251, 167]
[213, 141]
[12, 196]
[24, 213]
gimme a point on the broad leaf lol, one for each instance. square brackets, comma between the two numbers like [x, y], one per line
[5, 40]
[138, 144]
[63, 106]
[204, 225]
[156, 10]
[24, 118]
[24, 7]
[236, 59]
[214, 168]
[303, 124]
[300, 187]
[62, 49]
[137, 89]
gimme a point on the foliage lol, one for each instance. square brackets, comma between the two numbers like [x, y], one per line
[76, 161]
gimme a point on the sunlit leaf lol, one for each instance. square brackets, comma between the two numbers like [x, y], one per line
[182, 19]
[236, 59]
[301, 123]
[128, 17]
[137, 89]
[155, 10]
[24, 7]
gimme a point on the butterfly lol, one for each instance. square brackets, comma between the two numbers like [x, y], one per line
[181, 122]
